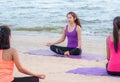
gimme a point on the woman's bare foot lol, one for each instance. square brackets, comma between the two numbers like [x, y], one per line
[67, 53]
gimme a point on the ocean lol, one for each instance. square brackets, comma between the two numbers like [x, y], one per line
[96, 16]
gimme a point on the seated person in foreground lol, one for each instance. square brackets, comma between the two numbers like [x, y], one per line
[113, 49]
[9, 57]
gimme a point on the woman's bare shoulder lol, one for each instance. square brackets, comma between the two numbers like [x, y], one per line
[111, 37]
[78, 28]
[12, 50]
[64, 27]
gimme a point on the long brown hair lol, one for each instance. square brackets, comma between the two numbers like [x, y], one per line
[5, 33]
[116, 27]
[74, 15]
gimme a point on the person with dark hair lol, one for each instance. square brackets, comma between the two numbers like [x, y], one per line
[113, 49]
[73, 33]
[9, 57]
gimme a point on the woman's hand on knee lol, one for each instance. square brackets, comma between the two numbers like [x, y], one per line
[41, 76]
[48, 44]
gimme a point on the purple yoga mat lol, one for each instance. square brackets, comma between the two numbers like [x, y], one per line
[50, 53]
[95, 71]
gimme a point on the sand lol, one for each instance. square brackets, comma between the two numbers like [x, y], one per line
[55, 68]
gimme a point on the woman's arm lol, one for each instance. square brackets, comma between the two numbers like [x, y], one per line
[62, 37]
[59, 40]
[107, 50]
[79, 32]
[21, 68]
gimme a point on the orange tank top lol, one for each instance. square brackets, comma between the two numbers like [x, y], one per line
[6, 69]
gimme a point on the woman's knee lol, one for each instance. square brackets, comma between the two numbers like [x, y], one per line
[80, 51]
[76, 51]
[106, 66]
[52, 47]
[26, 79]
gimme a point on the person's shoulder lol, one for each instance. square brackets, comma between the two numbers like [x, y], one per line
[13, 50]
[65, 27]
[110, 36]
[78, 28]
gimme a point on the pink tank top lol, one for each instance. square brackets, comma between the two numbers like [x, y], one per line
[114, 62]
[6, 69]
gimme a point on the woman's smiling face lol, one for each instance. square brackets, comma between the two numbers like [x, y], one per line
[70, 18]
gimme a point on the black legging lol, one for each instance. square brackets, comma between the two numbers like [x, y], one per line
[26, 79]
[62, 50]
[112, 73]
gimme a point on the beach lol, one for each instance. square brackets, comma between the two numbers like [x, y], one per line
[55, 68]
[36, 22]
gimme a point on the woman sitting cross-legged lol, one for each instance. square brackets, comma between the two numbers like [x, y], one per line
[9, 57]
[73, 33]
